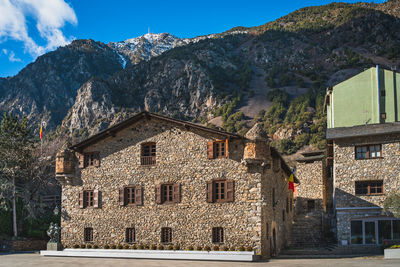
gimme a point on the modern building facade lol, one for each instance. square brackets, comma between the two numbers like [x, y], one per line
[364, 154]
[154, 180]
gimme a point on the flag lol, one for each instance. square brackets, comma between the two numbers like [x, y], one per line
[291, 182]
[41, 131]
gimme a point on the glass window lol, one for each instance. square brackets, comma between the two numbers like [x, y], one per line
[396, 229]
[384, 230]
[356, 232]
[370, 237]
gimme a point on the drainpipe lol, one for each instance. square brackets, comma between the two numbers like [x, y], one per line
[378, 91]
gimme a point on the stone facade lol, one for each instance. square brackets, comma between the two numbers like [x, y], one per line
[313, 200]
[250, 220]
[347, 170]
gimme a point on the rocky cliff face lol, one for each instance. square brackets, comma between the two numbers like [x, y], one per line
[231, 77]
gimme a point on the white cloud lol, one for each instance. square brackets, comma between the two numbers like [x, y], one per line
[11, 55]
[50, 17]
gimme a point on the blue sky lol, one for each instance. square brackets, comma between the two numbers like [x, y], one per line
[29, 28]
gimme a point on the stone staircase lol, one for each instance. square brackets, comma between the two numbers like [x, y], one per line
[307, 231]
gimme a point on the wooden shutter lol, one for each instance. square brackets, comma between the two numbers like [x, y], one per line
[138, 195]
[230, 192]
[122, 196]
[210, 150]
[96, 161]
[210, 192]
[176, 193]
[226, 149]
[96, 198]
[158, 194]
[81, 161]
[81, 204]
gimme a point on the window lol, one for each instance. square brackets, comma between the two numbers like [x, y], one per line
[217, 149]
[168, 193]
[130, 235]
[218, 235]
[89, 159]
[383, 116]
[310, 205]
[369, 187]
[148, 154]
[88, 234]
[130, 195]
[220, 191]
[89, 199]
[283, 215]
[267, 231]
[356, 232]
[367, 152]
[166, 235]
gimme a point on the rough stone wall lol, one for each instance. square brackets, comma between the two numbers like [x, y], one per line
[311, 187]
[347, 170]
[181, 158]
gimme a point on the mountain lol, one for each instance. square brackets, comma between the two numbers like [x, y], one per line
[275, 74]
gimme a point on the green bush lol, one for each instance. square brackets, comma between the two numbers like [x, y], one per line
[113, 246]
[76, 246]
[83, 246]
[249, 248]
[140, 246]
[106, 246]
[190, 248]
[207, 248]
[199, 248]
[160, 247]
[95, 246]
[177, 247]
[216, 248]
[133, 247]
[153, 247]
[88, 246]
[225, 248]
[170, 247]
[242, 248]
[119, 246]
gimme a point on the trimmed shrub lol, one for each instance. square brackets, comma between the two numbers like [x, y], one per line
[76, 246]
[207, 248]
[225, 248]
[106, 247]
[126, 247]
[177, 247]
[146, 246]
[96, 246]
[133, 247]
[249, 249]
[153, 247]
[216, 248]
[232, 249]
[88, 246]
[119, 246]
[140, 246]
[199, 248]
[113, 246]
[242, 248]
[190, 248]
[160, 247]
[83, 246]
[170, 247]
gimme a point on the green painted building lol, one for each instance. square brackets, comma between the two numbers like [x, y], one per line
[371, 97]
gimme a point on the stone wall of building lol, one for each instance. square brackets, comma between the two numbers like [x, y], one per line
[181, 158]
[347, 170]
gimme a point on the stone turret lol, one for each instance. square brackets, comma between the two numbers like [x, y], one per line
[65, 165]
[257, 145]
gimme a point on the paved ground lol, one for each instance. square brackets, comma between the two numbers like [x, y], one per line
[30, 259]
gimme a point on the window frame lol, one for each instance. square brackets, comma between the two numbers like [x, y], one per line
[148, 158]
[218, 235]
[219, 149]
[130, 195]
[214, 194]
[167, 194]
[368, 151]
[130, 235]
[88, 198]
[166, 235]
[368, 183]
[88, 235]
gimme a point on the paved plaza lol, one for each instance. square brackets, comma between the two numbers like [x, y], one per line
[34, 259]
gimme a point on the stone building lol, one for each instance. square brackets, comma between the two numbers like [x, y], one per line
[364, 155]
[154, 180]
[313, 201]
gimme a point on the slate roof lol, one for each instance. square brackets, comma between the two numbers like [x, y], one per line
[362, 130]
